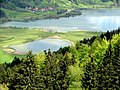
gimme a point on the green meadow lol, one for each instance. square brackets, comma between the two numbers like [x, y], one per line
[14, 36]
[25, 16]
[78, 35]
[7, 57]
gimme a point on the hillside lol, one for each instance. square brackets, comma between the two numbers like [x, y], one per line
[22, 4]
[24, 10]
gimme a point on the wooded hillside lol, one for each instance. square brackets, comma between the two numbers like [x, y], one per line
[15, 4]
[91, 64]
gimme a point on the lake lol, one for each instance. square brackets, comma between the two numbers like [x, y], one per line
[41, 45]
[93, 20]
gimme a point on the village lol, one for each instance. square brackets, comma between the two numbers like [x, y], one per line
[36, 9]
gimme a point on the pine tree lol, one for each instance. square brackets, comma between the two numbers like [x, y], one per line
[89, 79]
[54, 73]
[25, 76]
[116, 62]
[107, 76]
[49, 71]
[63, 76]
[4, 73]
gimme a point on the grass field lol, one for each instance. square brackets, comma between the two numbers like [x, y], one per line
[6, 57]
[25, 16]
[78, 35]
[14, 36]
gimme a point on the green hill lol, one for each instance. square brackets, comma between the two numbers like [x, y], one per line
[23, 10]
[21, 4]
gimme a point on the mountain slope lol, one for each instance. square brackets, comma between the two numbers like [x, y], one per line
[24, 10]
[16, 5]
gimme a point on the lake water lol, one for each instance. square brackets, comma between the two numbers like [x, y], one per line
[94, 20]
[41, 45]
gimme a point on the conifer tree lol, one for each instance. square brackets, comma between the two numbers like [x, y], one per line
[116, 62]
[25, 76]
[49, 72]
[4, 73]
[54, 73]
[107, 76]
[89, 79]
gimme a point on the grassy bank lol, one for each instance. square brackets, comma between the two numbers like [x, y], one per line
[7, 57]
[26, 16]
[78, 35]
[13, 36]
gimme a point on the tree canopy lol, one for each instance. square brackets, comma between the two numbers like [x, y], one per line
[91, 64]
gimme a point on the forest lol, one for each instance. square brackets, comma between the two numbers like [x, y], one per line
[92, 64]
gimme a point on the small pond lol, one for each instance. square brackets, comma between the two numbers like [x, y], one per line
[41, 45]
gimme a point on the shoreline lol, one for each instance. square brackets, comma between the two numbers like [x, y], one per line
[58, 37]
[72, 13]
[10, 50]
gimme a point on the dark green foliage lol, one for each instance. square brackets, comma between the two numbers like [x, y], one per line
[108, 35]
[1, 1]
[16, 61]
[61, 11]
[6, 69]
[87, 41]
[116, 55]
[89, 79]
[106, 76]
[25, 75]
[4, 73]
[54, 73]
[2, 14]
[64, 50]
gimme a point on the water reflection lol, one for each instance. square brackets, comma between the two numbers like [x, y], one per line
[41, 45]
[97, 20]
[105, 22]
